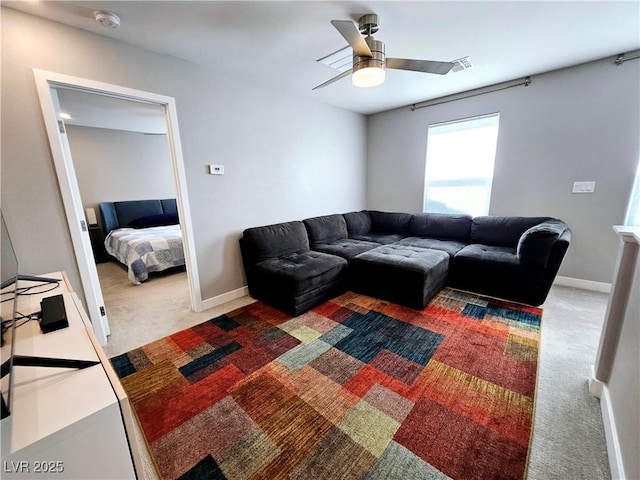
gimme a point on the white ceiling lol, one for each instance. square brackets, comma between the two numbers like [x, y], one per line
[277, 43]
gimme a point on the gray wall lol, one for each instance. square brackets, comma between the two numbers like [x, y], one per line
[114, 165]
[285, 158]
[580, 123]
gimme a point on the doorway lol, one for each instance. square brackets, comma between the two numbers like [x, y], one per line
[49, 84]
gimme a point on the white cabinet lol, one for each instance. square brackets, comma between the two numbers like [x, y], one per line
[66, 423]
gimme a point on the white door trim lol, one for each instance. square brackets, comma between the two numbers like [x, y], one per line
[45, 82]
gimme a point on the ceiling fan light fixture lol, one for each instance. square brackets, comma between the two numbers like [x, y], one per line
[368, 77]
[369, 71]
[369, 59]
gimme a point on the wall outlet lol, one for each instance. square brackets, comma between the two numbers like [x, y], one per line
[216, 169]
[583, 187]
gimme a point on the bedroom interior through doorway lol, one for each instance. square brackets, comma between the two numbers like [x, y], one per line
[47, 84]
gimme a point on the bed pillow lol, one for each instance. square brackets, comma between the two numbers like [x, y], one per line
[155, 220]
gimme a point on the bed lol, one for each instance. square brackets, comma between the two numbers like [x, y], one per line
[143, 235]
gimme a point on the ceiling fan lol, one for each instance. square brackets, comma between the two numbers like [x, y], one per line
[369, 60]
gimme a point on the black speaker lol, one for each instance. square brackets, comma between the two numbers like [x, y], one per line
[54, 315]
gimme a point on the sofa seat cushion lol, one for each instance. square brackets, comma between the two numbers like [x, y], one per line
[403, 274]
[478, 253]
[450, 246]
[347, 248]
[496, 271]
[302, 272]
[381, 238]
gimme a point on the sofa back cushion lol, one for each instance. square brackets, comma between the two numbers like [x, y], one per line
[271, 241]
[501, 231]
[387, 222]
[441, 226]
[326, 229]
[358, 223]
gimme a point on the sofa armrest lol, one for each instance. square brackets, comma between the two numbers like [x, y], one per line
[536, 244]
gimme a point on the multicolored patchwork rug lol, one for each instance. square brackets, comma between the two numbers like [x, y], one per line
[357, 388]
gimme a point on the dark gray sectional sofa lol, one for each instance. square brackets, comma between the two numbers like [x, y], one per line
[401, 257]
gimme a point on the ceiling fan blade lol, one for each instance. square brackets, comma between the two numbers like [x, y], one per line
[352, 35]
[425, 66]
[334, 79]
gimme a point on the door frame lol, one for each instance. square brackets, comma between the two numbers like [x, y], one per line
[47, 83]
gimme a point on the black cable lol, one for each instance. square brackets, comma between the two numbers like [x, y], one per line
[27, 318]
[25, 291]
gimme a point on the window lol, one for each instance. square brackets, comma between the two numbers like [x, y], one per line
[459, 168]
[633, 213]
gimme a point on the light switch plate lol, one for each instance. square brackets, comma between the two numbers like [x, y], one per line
[216, 169]
[583, 187]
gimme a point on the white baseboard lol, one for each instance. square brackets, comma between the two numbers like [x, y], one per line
[584, 284]
[595, 386]
[611, 437]
[224, 298]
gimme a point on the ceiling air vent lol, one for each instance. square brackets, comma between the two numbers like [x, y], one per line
[342, 60]
[463, 63]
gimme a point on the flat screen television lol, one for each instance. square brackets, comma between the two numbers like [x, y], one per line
[10, 291]
[8, 309]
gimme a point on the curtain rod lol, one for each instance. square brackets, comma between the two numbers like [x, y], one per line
[472, 93]
[620, 59]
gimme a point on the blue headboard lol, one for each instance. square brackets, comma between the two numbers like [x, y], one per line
[120, 214]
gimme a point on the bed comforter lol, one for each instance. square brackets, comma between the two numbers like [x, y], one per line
[145, 250]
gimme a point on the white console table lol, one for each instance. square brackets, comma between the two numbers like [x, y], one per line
[66, 423]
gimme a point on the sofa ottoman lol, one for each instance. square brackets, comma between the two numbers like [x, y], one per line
[402, 274]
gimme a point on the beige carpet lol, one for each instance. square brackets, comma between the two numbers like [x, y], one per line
[140, 314]
[568, 438]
